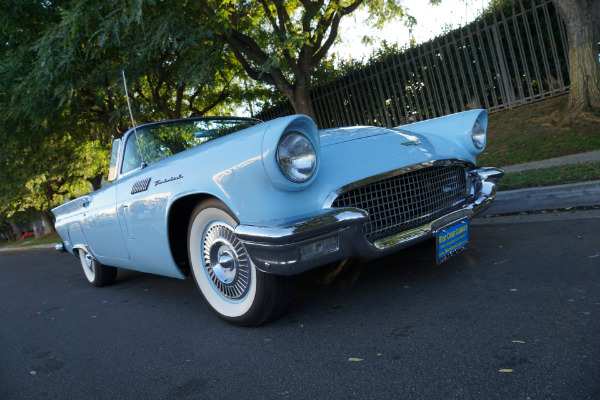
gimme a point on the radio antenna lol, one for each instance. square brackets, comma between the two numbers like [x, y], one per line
[137, 139]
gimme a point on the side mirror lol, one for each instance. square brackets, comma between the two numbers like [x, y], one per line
[114, 160]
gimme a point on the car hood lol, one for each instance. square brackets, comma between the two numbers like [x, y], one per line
[339, 135]
[352, 154]
[335, 136]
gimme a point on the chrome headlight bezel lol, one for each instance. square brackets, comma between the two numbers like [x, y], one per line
[296, 157]
[478, 135]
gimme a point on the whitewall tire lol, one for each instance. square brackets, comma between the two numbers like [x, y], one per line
[226, 276]
[97, 274]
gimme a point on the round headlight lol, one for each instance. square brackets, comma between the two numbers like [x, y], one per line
[296, 157]
[478, 135]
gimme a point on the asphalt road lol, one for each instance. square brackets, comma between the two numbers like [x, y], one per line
[524, 298]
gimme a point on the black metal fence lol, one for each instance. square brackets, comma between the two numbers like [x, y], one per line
[513, 54]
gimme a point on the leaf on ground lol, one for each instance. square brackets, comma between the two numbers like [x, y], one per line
[518, 341]
[505, 370]
[355, 359]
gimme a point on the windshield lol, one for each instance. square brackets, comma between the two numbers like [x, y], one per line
[163, 140]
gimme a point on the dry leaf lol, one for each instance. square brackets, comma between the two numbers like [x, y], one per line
[355, 359]
[505, 370]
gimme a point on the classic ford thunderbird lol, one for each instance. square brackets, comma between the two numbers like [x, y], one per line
[242, 206]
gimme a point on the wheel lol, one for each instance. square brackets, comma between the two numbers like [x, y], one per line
[97, 274]
[226, 276]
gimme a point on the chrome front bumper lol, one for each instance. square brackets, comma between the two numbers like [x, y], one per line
[60, 248]
[335, 234]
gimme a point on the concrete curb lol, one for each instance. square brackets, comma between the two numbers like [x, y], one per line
[583, 194]
[555, 162]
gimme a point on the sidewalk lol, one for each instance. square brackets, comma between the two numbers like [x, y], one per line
[583, 194]
[37, 246]
[554, 162]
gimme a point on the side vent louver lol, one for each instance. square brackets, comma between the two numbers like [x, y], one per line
[140, 186]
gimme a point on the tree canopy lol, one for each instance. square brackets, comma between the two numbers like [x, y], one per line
[61, 93]
[281, 42]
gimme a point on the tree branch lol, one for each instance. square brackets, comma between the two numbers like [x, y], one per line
[242, 46]
[333, 32]
[272, 20]
[222, 96]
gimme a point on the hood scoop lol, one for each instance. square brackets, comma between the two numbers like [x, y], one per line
[334, 136]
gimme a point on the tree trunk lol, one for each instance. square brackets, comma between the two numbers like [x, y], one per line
[300, 97]
[48, 218]
[582, 20]
[585, 78]
[96, 182]
[302, 104]
[15, 230]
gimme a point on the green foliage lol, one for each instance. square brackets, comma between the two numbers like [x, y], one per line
[61, 96]
[535, 132]
[281, 42]
[43, 171]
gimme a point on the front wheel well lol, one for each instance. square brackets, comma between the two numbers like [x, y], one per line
[177, 224]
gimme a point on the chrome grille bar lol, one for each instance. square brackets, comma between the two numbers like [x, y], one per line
[408, 200]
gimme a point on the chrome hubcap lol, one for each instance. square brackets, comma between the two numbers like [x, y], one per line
[226, 261]
[223, 261]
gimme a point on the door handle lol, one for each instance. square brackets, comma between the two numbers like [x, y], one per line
[86, 202]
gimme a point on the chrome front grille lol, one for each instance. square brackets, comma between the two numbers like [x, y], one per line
[408, 200]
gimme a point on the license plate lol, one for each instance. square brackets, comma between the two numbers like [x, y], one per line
[452, 240]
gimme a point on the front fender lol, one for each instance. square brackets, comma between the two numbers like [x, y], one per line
[455, 127]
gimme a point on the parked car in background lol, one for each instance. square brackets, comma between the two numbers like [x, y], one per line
[242, 206]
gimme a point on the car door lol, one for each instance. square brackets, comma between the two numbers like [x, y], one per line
[102, 227]
[142, 204]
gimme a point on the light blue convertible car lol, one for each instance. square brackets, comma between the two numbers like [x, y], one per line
[242, 205]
